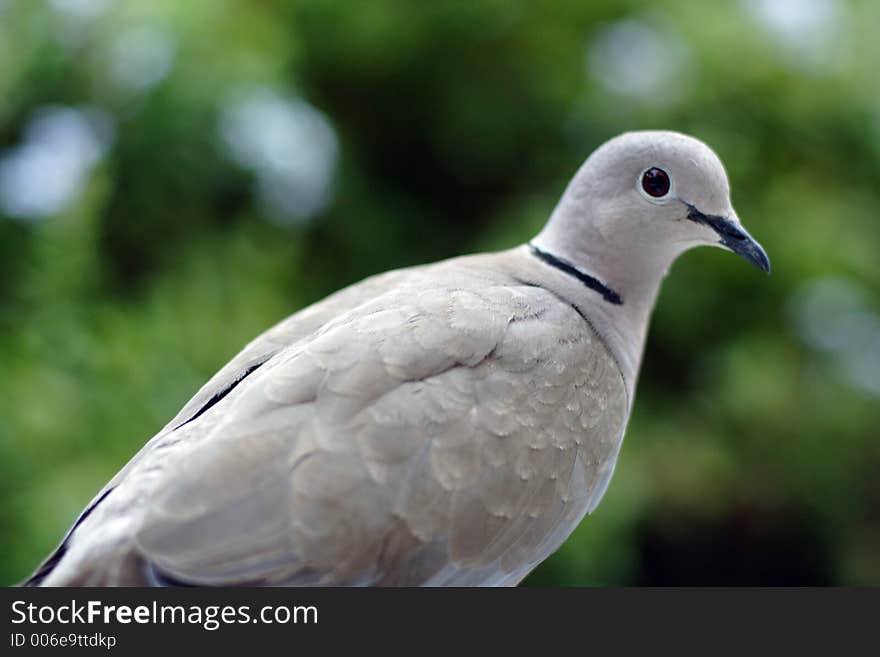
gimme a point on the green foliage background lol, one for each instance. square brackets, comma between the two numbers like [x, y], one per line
[753, 455]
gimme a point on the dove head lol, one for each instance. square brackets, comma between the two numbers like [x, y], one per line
[639, 201]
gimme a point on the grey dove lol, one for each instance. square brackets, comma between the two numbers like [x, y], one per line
[447, 424]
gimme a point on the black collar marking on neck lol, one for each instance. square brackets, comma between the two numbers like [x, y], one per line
[593, 283]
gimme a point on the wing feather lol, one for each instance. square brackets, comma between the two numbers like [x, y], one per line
[453, 435]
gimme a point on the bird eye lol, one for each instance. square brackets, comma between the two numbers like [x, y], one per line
[655, 182]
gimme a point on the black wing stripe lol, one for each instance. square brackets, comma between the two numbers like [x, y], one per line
[218, 397]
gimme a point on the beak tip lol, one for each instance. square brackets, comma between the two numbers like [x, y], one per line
[760, 258]
[752, 252]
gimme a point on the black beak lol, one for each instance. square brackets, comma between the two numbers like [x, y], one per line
[733, 236]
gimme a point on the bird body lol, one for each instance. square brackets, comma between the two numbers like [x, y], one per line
[448, 424]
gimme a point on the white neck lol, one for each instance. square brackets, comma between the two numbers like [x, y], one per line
[634, 274]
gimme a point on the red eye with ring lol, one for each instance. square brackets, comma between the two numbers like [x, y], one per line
[655, 182]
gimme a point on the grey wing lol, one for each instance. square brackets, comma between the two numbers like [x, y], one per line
[452, 438]
[287, 332]
[257, 352]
